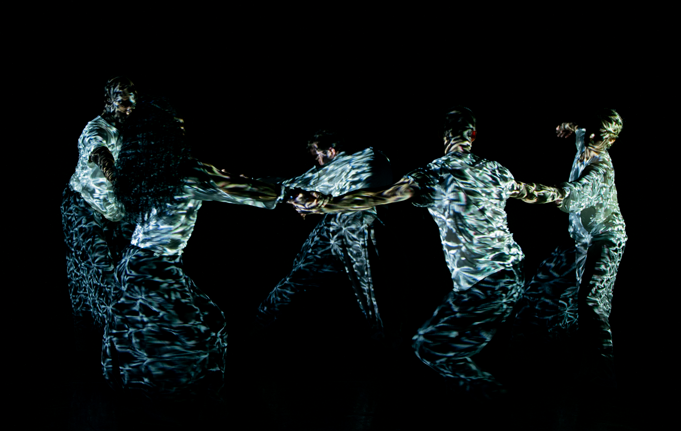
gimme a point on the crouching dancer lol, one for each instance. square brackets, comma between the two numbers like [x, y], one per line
[164, 335]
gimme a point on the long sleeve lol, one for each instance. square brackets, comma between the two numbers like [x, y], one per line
[167, 231]
[588, 190]
[212, 185]
[89, 180]
[102, 157]
[367, 169]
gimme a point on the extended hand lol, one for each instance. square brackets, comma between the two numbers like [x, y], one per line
[307, 202]
[565, 130]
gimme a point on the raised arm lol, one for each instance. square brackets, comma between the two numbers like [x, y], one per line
[317, 203]
[564, 130]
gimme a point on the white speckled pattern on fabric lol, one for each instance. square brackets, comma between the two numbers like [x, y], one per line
[592, 199]
[466, 196]
[167, 233]
[573, 288]
[341, 175]
[339, 242]
[89, 180]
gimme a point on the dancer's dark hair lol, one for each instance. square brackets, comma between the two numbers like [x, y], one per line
[325, 140]
[459, 122]
[154, 159]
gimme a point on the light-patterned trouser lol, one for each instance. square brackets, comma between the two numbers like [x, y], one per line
[463, 325]
[337, 245]
[572, 292]
[93, 247]
[164, 336]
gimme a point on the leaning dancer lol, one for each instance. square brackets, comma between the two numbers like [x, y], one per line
[165, 336]
[92, 217]
[339, 244]
[573, 288]
[466, 196]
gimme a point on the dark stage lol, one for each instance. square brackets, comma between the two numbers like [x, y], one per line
[318, 369]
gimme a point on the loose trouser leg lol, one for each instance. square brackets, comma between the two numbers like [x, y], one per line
[595, 295]
[164, 336]
[312, 265]
[464, 324]
[549, 302]
[89, 263]
[354, 253]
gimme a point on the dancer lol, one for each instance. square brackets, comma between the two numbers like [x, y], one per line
[466, 196]
[340, 242]
[573, 289]
[165, 336]
[94, 232]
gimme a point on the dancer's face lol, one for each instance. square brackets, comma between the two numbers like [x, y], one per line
[124, 104]
[321, 156]
[600, 140]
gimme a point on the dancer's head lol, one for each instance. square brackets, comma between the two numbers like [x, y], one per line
[323, 147]
[604, 128]
[459, 132]
[119, 99]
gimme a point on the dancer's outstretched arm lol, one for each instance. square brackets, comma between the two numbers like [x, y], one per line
[533, 193]
[317, 203]
[587, 190]
[234, 188]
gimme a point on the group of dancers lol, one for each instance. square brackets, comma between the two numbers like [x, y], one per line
[131, 206]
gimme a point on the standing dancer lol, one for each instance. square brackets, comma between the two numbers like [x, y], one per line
[573, 288]
[91, 214]
[164, 335]
[339, 244]
[466, 196]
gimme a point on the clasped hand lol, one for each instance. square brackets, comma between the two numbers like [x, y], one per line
[307, 202]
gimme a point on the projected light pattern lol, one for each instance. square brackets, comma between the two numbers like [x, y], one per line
[466, 196]
[91, 220]
[167, 231]
[549, 305]
[339, 243]
[464, 324]
[574, 287]
[89, 180]
[163, 335]
[93, 247]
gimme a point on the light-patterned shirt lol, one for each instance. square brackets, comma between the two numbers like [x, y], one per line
[592, 197]
[167, 232]
[89, 180]
[345, 173]
[466, 195]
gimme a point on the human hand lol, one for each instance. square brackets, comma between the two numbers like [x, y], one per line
[565, 130]
[307, 202]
